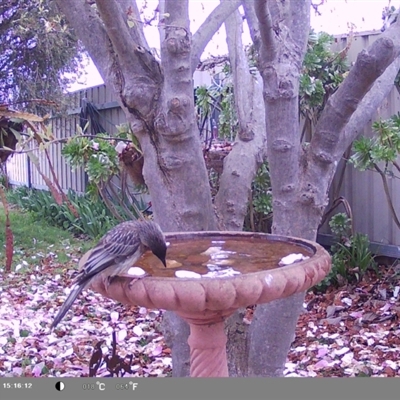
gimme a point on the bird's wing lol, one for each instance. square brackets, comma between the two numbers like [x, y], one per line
[112, 249]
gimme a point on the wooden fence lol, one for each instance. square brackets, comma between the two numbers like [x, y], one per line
[363, 190]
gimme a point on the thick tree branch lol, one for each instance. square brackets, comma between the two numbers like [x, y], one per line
[368, 106]
[242, 163]
[207, 30]
[118, 32]
[299, 14]
[252, 21]
[267, 34]
[130, 9]
[137, 74]
[178, 14]
[90, 30]
[369, 66]
[281, 69]
[161, 10]
[175, 49]
[241, 74]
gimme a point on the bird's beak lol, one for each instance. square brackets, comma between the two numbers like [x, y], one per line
[164, 262]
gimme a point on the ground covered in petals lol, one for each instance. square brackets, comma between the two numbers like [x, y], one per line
[348, 331]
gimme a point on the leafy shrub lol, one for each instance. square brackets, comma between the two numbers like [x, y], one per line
[98, 156]
[351, 257]
[259, 215]
[94, 218]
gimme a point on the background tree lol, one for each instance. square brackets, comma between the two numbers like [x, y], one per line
[157, 97]
[301, 173]
[37, 48]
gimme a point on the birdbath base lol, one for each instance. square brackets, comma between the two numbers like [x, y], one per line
[207, 342]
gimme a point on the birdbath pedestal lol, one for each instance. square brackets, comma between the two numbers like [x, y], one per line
[206, 301]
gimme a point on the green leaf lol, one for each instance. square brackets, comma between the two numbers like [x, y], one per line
[24, 333]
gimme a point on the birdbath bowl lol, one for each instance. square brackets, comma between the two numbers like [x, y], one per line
[210, 275]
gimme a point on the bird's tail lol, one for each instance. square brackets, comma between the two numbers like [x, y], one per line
[68, 303]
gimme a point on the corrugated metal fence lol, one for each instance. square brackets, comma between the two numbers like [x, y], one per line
[22, 172]
[364, 190]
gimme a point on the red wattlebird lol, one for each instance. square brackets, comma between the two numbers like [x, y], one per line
[117, 250]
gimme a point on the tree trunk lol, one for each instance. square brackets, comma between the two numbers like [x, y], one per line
[241, 164]
[300, 177]
[280, 63]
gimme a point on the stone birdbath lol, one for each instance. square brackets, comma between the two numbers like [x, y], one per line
[210, 275]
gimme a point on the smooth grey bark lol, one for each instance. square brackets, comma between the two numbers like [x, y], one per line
[326, 146]
[281, 55]
[176, 331]
[130, 7]
[241, 164]
[237, 346]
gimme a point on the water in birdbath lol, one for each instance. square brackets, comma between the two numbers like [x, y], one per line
[209, 255]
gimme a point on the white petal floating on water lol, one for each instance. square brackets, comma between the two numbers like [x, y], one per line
[223, 273]
[219, 256]
[187, 274]
[213, 267]
[292, 258]
[223, 261]
[211, 250]
[136, 271]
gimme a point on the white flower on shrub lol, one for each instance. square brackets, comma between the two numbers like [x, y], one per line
[104, 159]
[120, 147]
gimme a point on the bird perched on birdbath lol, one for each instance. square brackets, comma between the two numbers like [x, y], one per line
[118, 250]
